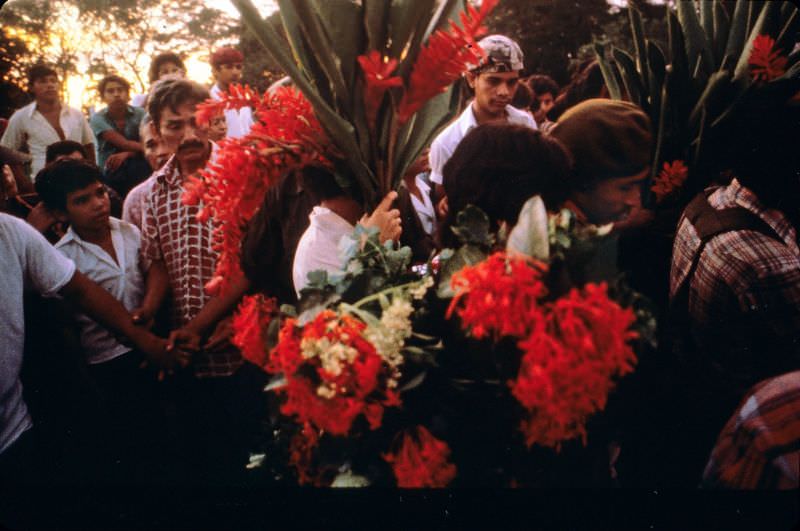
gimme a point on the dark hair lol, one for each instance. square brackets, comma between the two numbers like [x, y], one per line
[497, 167]
[539, 85]
[170, 93]
[162, 59]
[587, 82]
[38, 71]
[523, 97]
[62, 147]
[113, 78]
[321, 184]
[58, 179]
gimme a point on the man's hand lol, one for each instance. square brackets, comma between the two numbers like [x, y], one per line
[116, 160]
[143, 317]
[184, 339]
[221, 337]
[385, 219]
[441, 208]
[41, 219]
[156, 353]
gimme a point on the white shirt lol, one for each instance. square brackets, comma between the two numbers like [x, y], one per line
[122, 278]
[424, 207]
[446, 142]
[27, 260]
[27, 127]
[318, 247]
[239, 121]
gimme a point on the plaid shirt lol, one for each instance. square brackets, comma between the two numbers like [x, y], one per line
[759, 448]
[171, 232]
[744, 296]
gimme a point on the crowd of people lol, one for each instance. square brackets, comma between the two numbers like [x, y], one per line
[128, 368]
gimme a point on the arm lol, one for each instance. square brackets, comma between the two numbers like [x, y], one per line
[156, 287]
[120, 142]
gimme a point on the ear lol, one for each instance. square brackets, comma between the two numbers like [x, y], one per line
[471, 78]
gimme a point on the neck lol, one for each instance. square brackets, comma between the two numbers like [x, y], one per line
[345, 207]
[222, 86]
[482, 117]
[47, 106]
[117, 111]
[96, 236]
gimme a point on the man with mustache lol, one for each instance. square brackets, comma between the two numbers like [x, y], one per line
[494, 81]
[45, 121]
[211, 420]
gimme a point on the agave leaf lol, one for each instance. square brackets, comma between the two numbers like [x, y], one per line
[608, 73]
[696, 43]
[657, 73]
[721, 28]
[791, 15]
[631, 79]
[291, 25]
[639, 44]
[753, 10]
[736, 35]
[348, 41]
[700, 140]
[679, 60]
[766, 22]
[707, 18]
[407, 22]
[376, 18]
[716, 83]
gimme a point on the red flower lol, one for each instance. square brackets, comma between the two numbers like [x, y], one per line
[422, 461]
[333, 375]
[443, 59]
[232, 186]
[569, 364]
[235, 97]
[498, 297]
[670, 179]
[377, 72]
[250, 324]
[766, 63]
[301, 455]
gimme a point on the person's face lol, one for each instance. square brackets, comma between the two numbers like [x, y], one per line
[611, 200]
[75, 155]
[88, 208]
[46, 88]
[182, 136]
[493, 91]
[170, 69]
[228, 73]
[155, 150]
[546, 101]
[115, 94]
[217, 128]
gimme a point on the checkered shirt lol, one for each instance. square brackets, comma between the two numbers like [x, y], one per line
[171, 232]
[759, 448]
[744, 296]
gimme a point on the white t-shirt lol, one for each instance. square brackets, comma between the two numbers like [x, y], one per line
[27, 260]
[424, 207]
[446, 142]
[239, 121]
[28, 127]
[318, 247]
[122, 278]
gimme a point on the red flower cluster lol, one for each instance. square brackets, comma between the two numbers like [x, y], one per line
[499, 296]
[301, 455]
[421, 461]
[766, 63]
[377, 79]
[236, 97]
[569, 364]
[232, 187]
[444, 58]
[249, 324]
[333, 374]
[670, 179]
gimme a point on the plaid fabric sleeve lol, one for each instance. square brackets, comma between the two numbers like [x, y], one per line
[759, 448]
[151, 244]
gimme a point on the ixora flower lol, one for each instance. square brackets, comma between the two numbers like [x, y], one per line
[421, 460]
[570, 362]
[670, 179]
[499, 296]
[766, 63]
[334, 374]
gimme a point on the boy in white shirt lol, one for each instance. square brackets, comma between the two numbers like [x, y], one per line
[106, 250]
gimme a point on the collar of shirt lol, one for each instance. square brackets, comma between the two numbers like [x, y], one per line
[116, 240]
[467, 120]
[128, 111]
[169, 174]
[329, 222]
[737, 194]
[32, 108]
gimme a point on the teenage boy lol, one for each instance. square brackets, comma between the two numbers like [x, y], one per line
[45, 121]
[27, 259]
[494, 82]
[119, 151]
[156, 154]
[544, 90]
[210, 402]
[106, 250]
[227, 65]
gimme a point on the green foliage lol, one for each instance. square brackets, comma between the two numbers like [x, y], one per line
[694, 86]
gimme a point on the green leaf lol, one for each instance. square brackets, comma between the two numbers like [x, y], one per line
[466, 255]
[716, 84]
[707, 18]
[608, 72]
[791, 15]
[414, 382]
[696, 43]
[736, 35]
[639, 45]
[348, 41]
[721, 28]
[765, 23]
[376, 18]
[530, 235]
[407, 22]
[631, 79]
[473, 227]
